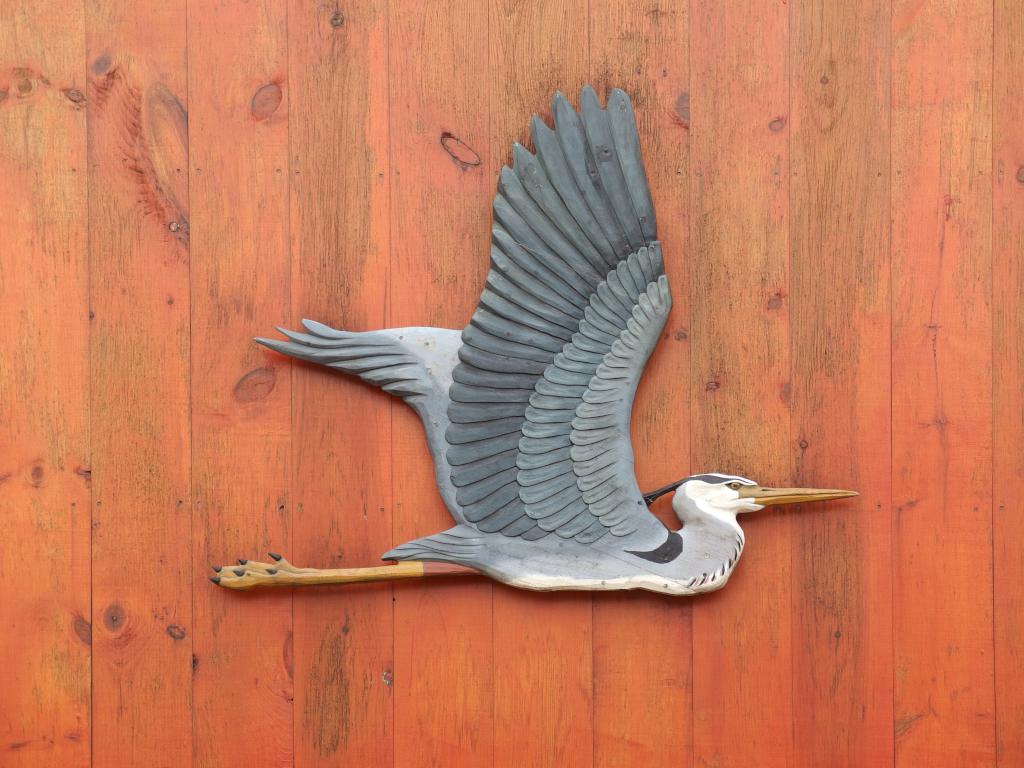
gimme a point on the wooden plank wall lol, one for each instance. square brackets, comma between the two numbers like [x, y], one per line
[840, 192]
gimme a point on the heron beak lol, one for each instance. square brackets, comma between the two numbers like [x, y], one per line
[767, 497]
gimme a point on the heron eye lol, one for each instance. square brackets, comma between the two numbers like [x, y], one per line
[734, 486]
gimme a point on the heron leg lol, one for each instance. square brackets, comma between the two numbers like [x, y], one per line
[251, 574]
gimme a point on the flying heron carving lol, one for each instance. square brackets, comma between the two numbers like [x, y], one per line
[527, 409]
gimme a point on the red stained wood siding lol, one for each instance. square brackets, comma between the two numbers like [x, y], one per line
[840, 194]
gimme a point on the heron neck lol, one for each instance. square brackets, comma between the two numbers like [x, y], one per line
[693, 513]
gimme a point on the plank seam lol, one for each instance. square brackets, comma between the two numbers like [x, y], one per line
[388, 308]
[290, 525]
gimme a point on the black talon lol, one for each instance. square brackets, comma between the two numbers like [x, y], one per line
[271, 571]
[215, 579]
[242, 562]
[239, 571]
[216, 568]
[275, 556]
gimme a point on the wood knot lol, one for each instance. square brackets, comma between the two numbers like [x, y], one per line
[682, 110]
[83, 629]
[712, 386]
[777, 124]
[266, 100]
[176, 631]
[1020, 174]
[101, 64]
[114, 617]
[255, 385]
[463, 155]
[75, 96]
[37, 475]
[337, 18]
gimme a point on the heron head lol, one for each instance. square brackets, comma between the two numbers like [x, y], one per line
[731, 494]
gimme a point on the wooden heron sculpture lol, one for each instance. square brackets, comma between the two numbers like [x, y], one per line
[527, 409]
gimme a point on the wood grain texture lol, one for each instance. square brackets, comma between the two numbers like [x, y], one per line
[740, 368]
[839, 192]
[337, 63]
[1008, 377]
[543, 669]
[137, 107]
[643, 49]
[839, 235]
[45, 629]
[241, 396]
[441, 188]
[942, 382]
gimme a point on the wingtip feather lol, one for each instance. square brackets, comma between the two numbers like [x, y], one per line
[617, 94]
[324, 331]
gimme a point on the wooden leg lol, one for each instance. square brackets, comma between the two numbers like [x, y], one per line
[250, 574]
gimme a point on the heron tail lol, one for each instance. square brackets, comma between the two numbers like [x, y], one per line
[460, 544]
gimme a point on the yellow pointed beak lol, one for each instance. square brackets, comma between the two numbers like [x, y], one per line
[767, 497]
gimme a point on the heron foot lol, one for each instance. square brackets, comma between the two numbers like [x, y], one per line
[247, 574]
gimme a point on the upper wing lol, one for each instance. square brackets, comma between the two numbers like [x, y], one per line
[573, 305]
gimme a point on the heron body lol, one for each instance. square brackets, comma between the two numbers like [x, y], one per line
[527, 409]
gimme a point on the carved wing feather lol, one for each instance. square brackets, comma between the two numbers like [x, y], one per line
[595, 454]
[377, 357]
[573, 305]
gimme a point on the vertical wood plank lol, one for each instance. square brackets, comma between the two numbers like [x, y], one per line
[241, 395]
[942, 386]
[441, 189]
[543, 682]
[842, 554]
[740, 367]
[338, 116]
[44, 388]
[1008, 375]
[642, 47]
[138, 226]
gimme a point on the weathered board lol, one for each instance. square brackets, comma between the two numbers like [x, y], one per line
[340, 244]
[543, 669]
[45, 496]
[140, 383]
[840, 398]
[740, 366]
[840, 193]
[942, 374]
[241, 402]
[439, 162]
[622, 35]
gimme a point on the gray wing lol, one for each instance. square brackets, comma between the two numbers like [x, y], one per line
[383, 358]
[575, 301]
